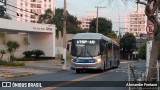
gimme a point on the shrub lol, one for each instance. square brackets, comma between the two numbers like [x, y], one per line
[142, 52]
[2, 52]
[3, 62]
[12, 47]
[16, 63]
[38, 53]
[28, 54]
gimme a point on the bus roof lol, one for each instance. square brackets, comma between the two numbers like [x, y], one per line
[93, 36]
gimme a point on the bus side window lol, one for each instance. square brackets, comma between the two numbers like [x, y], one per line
[102, 47]
[109, 51]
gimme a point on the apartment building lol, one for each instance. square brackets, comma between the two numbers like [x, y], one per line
[136, 22]
[86, 19]
[29, 10]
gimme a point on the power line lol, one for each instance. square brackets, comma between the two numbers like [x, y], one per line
[22, 9]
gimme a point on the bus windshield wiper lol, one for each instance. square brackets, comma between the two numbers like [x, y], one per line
[89, 54]
[80, 54]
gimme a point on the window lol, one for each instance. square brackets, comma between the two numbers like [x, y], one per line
[33, 10]
[33, 21]
[39, 1]
[33, 16]
[21, 15]
[26, 4]
[39, 11]
[33, 0]
[49, 6]
[38, 5]
[45, 5]
[21, 4]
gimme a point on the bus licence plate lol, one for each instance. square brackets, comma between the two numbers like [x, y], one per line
[85, 67]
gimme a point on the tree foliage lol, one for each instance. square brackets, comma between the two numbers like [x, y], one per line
[46, 17]
[142, 52]
[2, 11]
[104, 26]
[112, 35]
[2, 52]
[57, 19]
[3, 37]
[12, 47]
[3, 14]
[128, 42]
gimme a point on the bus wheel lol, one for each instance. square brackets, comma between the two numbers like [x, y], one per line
[104, 67]
[110, 65]
[117, 64]
[78, 71]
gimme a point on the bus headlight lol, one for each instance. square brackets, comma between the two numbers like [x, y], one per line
[74, 60]
[99, 60]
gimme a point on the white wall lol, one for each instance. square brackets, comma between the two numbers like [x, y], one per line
[40, 36]
[59, 43]
[42, 41]
[16, 37]
[26, 27]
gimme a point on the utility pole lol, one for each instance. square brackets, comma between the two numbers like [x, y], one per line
[97, 17]
[64, 35]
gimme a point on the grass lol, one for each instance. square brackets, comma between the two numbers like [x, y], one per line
[12, 63]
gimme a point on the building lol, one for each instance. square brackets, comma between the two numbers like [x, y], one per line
[86, 19]
[37, 36]
[136, 22]
[29, 10]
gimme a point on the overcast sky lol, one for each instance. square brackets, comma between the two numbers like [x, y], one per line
[112, 11]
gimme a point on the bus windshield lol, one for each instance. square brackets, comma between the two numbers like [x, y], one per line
[85, 48]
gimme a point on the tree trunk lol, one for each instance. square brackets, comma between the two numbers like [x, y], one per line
[152, 71]
[1, 57]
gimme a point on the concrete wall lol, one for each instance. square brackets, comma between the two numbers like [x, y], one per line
[42, 41]
[59, 43]
[16, 37]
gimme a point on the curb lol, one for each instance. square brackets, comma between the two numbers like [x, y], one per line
[14, 75]
[15, 67]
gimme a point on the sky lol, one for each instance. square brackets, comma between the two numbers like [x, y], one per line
[112, 11]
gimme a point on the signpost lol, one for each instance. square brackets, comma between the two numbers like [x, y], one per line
[149, 29]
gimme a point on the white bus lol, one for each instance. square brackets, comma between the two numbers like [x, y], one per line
[93, 51]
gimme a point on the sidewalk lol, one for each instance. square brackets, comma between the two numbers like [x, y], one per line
[32, 68]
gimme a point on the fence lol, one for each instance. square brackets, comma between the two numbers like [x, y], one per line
[138, 75]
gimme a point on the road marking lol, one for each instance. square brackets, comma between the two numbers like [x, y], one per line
[70, 82]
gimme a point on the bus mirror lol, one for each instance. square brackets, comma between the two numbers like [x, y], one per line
[68, 47]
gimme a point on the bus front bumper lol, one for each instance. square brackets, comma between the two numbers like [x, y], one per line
[85, 66]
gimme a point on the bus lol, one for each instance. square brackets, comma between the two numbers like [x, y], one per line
[93, 51]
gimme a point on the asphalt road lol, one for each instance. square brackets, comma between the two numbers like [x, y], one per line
[69, 79]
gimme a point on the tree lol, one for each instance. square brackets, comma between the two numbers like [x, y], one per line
[2, 52]
[112, 35]
[104, 26]
[12, 47]
[128, 44]
[57, 19]
[151, 7]
[46, 17]
[2, 11]
[142, 52]
[3, 37]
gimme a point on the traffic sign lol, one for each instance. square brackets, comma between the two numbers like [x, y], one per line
[149, 28]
